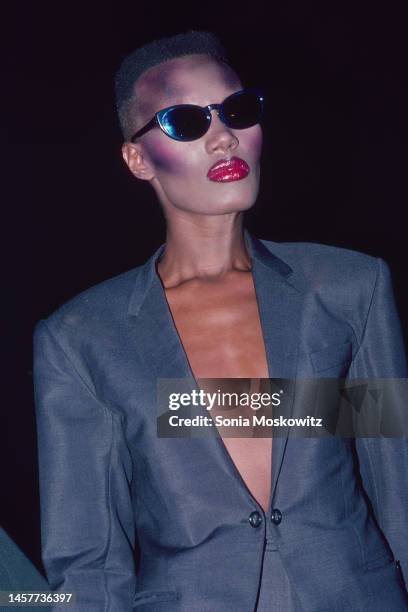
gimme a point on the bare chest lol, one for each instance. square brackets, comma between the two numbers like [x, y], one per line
[220, 329]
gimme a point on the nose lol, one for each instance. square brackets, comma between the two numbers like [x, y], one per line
[219, 136]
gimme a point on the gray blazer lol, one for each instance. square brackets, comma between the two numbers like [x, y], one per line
[133, 521]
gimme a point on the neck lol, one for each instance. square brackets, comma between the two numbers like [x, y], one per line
[204, 248]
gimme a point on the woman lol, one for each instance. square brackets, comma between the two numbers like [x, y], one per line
[131, 520]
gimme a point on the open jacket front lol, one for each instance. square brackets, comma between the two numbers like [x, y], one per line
[130, 520]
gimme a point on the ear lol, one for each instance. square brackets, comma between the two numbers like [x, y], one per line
[137, 162]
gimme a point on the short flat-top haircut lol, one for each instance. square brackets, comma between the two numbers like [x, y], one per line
[152, 54]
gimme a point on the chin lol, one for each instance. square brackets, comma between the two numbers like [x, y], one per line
[217, 208]
[223, 208]
[237, 206]
[235, 201]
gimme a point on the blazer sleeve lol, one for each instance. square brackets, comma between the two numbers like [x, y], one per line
[384, 461]
[87, 522]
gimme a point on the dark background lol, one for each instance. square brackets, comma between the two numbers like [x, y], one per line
[333, 166]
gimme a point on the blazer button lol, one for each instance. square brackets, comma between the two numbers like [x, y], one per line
[276, 516]
[255, 519]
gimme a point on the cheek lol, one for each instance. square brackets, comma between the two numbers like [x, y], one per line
[253, 140]
[168, 156]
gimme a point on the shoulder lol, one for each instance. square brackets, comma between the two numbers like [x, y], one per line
[343, 279]
[325, 265]
[308, 254]
[96, 307]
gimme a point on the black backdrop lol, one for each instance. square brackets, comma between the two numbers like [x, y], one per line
[332, 168]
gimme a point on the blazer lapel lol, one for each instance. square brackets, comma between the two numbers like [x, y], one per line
[279, 292]
[162, 350]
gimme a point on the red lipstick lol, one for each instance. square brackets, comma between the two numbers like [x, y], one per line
[226, 170]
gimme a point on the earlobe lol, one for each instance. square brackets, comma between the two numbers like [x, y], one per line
[135, 161]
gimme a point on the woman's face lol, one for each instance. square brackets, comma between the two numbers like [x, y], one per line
[178, 170]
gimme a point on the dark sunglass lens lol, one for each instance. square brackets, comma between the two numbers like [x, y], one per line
[243, 110]
[185, 123]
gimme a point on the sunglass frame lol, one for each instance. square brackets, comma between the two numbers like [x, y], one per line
[157, 120]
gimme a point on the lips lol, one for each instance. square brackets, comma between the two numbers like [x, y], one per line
[226, 170]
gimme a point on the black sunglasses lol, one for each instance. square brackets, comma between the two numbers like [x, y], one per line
[185, 122]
